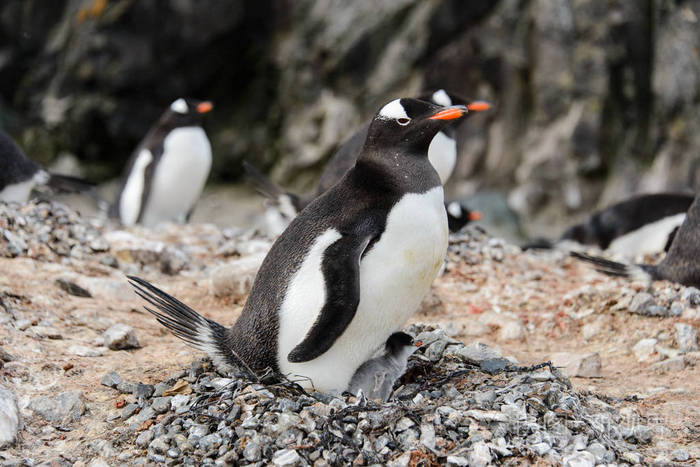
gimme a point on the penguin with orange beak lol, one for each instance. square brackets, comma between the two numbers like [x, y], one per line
[167, 171]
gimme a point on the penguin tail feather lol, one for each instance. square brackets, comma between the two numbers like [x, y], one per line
[193, 328]
[615, 269]
[289, 203]
[68, 184]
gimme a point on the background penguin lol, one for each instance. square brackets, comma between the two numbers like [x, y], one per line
[168, 169]
[19, 175]
[376, 377]
[640, 225]
[349, 270]
[442, 154]
[459, 215]
[681, 264]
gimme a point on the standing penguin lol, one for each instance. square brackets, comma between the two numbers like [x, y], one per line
[681, 264]
[376, 377]
[19, 175]
[442, 154]
[349, 270]
[167, 171]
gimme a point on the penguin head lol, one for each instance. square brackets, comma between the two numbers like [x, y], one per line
[411, 124]
[185, 112]
[445, 98]
[399, 341]
[459, 215]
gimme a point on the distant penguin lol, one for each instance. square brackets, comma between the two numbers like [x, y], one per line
[442, 154]
[376, 377]
[167, 172]
[19, 175]
[643, 224]
[681, 264]
[459, 215]
[349, 270]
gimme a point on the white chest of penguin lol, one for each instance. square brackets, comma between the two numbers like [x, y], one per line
[395, 275]
[179, 177]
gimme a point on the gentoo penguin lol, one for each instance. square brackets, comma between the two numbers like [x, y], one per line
[19, 175]
[168, 169]
[376, 377]
[442, 154]
[459, 215]
[640, 225]
[681, 264]
[349, 270]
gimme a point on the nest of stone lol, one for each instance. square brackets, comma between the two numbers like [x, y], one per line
[456, 404]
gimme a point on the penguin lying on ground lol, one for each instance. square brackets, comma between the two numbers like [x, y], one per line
[376, 377]
[19, 175]
[349, 270]
[681, 264]
[442, 154]
[167, 172]
[640, 225]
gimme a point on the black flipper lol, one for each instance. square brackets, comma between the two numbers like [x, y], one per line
[188, 325]
[343, 271]
[68, 184]
[268, 188]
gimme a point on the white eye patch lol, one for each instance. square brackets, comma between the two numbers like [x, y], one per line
[442, 98]
[179, 106]
[455, 209]
[393, 109]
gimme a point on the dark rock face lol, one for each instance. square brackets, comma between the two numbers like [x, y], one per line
[592, 100]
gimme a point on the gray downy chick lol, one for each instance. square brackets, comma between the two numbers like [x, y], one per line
[376, 377]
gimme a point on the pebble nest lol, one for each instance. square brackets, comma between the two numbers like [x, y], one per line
[456, 405]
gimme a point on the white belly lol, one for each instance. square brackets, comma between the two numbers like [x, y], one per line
[649, 239]
[179, 177]
[131, 197]
[442, 154]
[19, 192]
[394, 277]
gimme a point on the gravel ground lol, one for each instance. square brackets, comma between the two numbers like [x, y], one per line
[88, 378]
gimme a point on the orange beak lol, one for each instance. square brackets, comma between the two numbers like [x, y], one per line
[478, 106]
[450, 113]
[418, 343]
[475, 216]
[204, 107]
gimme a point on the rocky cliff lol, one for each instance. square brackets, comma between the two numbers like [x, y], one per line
[593, 99]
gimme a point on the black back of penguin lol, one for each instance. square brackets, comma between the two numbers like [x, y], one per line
[604, 226]
[16, 166]
[137, 182]
[682, 262]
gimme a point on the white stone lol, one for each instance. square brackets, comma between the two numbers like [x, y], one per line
[645, 350]
[9, 418]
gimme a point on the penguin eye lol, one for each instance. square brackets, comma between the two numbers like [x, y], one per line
[403, 121]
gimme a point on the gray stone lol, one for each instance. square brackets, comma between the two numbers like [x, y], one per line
[476, 352]
[63, 407]
[143, 390]
[670, 365]
[286, 457]
[642, 433]
[457, 461]
[645, 350]
[480, 455]
[161, 404]
[680, 455]
[160, 445]
[146, 413]
[586, 365]
[641, 303]
[236, 277]
[540, 448]
[10, 418]
[427, 436]
[129, 410]
[83, 351]
[120, 337]
[599, 452]
[686, 337]
[144, 439]
[209, 442]
[579, 459]
[252, 452]
[126, 387]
